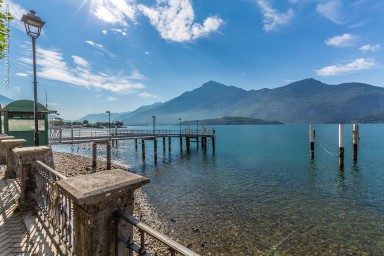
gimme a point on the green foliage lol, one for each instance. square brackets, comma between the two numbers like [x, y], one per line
[4, 31]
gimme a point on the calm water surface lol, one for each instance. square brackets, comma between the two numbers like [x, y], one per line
[260, 194]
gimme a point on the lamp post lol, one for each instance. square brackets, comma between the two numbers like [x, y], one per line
[109, 123]
[154, 124]
[180, 125]
[33, 25]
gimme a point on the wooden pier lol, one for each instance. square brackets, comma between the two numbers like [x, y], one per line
[84, 135]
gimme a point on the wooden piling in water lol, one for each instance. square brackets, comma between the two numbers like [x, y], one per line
[355, 140]
[213, 140]
[94, 155]
[143, 149]
[187, 142]
[312, 141]
[163, 144]
[341, 146]
[109, 163]
[136, 145]
[181, 143]
[155, 149]
[169, 144]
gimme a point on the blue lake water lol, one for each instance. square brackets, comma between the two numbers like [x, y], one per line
[261, 194]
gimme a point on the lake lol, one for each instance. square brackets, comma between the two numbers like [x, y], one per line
[260, 193]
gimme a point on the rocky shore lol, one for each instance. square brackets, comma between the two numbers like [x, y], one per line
[72, 165]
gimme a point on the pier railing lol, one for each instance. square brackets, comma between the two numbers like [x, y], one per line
[58, 135]
[173, 247]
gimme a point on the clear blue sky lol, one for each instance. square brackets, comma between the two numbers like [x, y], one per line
[117, 55]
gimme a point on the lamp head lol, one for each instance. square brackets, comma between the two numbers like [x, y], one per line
[32, 23]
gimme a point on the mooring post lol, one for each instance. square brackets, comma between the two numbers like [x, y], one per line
[341, 146]
[143, 149]
[204, 138]
[163, 144]
[181, 143]
[155, 149]
[312, 141]
[136, 145]
[169, 144]
[94, 160]
[213, 139]
[355, 140]
[109, 165]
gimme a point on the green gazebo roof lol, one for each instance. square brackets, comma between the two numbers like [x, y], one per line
[26, 106]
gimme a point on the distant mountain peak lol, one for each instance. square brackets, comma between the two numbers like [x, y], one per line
[306, 82]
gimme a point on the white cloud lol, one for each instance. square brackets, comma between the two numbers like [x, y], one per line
[147, 95]
[111, 98]
[21, 74]
[273, 18]
[17, 12]
[332, 10]
[174, 20]
[52, 66]
[104, 31]
[119, 31]
[340, 69]
[94, 44]
[115, 11]
[17, 89]
[80, 61]
[341, 41]
[370, 48]
[147, 53]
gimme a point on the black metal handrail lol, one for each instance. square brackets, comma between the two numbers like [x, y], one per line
[173, 246]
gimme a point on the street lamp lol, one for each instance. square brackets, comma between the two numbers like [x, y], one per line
[33, 25]
[154, 124]
[180, 125]
[109, 123]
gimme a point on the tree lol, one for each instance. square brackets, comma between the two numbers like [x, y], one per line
[85, 122]
[4, 31]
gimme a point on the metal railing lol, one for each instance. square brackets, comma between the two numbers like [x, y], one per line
[173, 247]
[55, 208]
[57, 135]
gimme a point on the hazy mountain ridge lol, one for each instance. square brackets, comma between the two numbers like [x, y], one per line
[305, 101]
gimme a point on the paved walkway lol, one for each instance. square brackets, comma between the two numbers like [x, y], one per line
[20, 233]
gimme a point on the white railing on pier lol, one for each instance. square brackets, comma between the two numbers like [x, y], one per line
[60, 135]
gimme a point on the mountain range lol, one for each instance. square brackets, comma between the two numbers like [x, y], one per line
[305, 101]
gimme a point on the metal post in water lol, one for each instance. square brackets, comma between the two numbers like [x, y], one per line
[312, 141]
[341, 146]
[355, 140]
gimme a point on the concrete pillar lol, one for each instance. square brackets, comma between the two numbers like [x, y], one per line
[26, 157]
[3, 153]
[7, 146]
[95, 198]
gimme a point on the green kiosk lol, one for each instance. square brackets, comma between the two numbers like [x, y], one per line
[19, 121]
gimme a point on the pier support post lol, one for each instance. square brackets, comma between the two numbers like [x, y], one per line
[312, 141]
[355, 140]
[169, 144]
[143, 149]
[181, 143]
[187, 142]
[163, 144]
[109, 165]
[213, 140]
[94, 155]
[155, 149]
[136, 145]
[341, 146]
